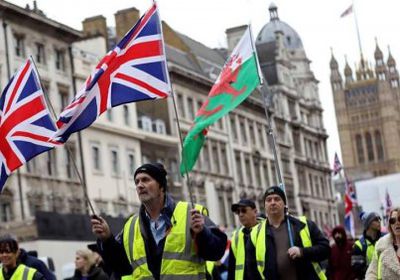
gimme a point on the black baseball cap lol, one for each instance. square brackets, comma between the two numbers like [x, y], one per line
[243, 203]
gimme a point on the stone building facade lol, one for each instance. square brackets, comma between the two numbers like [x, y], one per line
[367, 109]
[237, 160]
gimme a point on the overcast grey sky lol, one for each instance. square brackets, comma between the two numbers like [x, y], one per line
[317, 22]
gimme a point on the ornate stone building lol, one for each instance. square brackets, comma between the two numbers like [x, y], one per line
[237, 160]
[297, 113]
[368, 114]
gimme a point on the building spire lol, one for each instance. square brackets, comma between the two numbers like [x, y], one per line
[273, 12]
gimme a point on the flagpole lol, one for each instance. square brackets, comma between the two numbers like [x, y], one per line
[19, 179]
[83, 178]
[189, 185]
[69, 152]
[358, 30]
[263, 87]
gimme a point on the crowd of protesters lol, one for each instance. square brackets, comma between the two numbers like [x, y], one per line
[171, 239]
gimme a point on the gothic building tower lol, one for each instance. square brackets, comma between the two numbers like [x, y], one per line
[367, 112]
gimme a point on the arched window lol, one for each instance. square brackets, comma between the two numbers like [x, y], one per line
[370, 148]
[379, 145]
[360, 149]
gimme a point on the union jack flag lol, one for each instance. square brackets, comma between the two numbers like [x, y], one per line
[337, 166]
[350, 190]
[350, 199]
[135, 70]
[26, 128]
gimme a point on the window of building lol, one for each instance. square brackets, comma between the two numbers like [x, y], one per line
[206, 157]
[40, 53]
[266, 177]
[70, 154]
[379, 145]
[370, 148]
[5, 211]
[233, 128]
[239, 167]
[257, 172]
[310, 182]
[190, 108]
[381, 76]
[243, 131]
[261, 135]
[51, 163]
[96, 158]
[360, 149]
[181, 108]
[394, 83]
[392, 69]
[60, 59]
[127, 117]
[215, 158]
[173, 163]
[64, 97]
[225, 166]
[252, 135]
[131, 164]
[248, 171]
[31, 166]
[19, 45]
[114, 162]
[159, 126]
[145, 123]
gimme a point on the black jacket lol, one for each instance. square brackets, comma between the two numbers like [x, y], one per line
[250, 267]
[318, 252]
[211, 244]
[95, 273]
[33, 262]
[359, 256]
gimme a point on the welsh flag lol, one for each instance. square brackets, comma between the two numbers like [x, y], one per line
[238, 78]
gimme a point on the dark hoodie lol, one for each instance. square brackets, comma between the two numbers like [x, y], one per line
[340, 260]
[95, 273]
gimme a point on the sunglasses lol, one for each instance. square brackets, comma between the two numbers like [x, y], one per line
[393, 220]
[241, 210]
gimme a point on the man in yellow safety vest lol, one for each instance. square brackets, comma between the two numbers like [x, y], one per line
[276, 258]
[166, 239]
[242, 262]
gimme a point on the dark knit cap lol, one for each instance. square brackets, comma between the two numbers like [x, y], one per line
[275, 190]
[8, 242]
[156, 171]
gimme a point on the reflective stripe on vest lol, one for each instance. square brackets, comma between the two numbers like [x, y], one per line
[306, 240]
[238, 251]
[21, 273]
[179, 260]
[370, 249]
[379, 274]
[257, 236]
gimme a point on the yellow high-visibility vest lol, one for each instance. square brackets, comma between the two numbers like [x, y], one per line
[370, 249]
[258, 239]
[179, 260]
[21, 273]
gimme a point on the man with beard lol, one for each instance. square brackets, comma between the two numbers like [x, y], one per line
[339, 267]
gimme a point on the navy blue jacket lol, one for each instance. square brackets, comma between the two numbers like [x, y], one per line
[33, 262]
[211, 244]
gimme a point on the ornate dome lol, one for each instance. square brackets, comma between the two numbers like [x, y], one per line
[267, 34]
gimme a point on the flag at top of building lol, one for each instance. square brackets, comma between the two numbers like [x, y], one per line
[347, 12]
[238, 78]
[26, 127]
[135, 70]
[337, 166]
